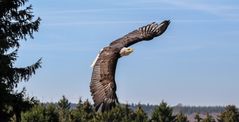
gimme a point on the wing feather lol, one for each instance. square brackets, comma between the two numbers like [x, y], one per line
[102, 84]
[147, 32]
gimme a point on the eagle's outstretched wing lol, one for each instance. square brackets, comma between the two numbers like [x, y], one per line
[146, 33]
[103, 86]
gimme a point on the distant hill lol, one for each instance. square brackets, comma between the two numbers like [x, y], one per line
[188, 110]
[184, 109]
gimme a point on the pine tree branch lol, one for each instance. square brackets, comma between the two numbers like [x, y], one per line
[27, 72]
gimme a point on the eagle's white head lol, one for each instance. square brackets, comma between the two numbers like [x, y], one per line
[126, 51]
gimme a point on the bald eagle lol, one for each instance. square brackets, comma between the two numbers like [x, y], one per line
[103, 86]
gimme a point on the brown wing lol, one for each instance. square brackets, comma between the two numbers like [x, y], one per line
[147, 32]
[103, 87]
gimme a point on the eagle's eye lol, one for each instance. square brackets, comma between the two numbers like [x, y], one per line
[129, 49]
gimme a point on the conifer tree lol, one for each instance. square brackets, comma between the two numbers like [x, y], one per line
[41, 113]
[129, 115]
[64, 104]
[51, 113]
[64, 109]
[181, 118]
[17, 22]
[140, 115]
[163, 113]
[208, 118]
[197, 117]
[79, 105]
[78, 113]
[36, 114]
[88, 111]
[84, 112]
[230, 114]
[119, 113]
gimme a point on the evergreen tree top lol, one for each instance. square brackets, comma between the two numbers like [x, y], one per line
[17, 22]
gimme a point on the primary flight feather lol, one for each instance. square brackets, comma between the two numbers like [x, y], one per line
[103, 85]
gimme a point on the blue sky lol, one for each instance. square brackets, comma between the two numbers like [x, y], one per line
[195, 62]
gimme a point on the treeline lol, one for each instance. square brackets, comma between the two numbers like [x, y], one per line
[183, 109]
[198, 109]
[84, 112]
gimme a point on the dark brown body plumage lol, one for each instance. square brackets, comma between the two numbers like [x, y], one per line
[103, 86]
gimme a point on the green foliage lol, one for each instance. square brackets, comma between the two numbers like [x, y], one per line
[230, 114]
[64, 109]
[208, 118]
[77, 114]
[197, 117]
[41, 113]
[87, 107]
[52, 113]
[64, 104]
[16, 23]
[129, 115]
[83, 113]
[181, 118]
[163, 113]
[140, 115]
[117, 114]
[36, 114]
